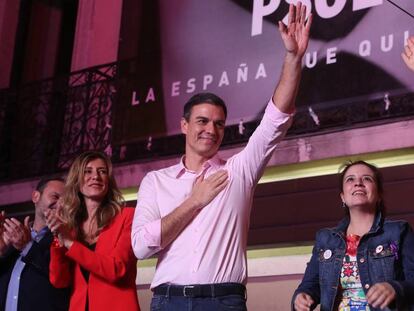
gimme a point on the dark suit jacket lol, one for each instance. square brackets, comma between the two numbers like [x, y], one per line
[35, 290]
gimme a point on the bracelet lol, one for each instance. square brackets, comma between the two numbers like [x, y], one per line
[56, 242]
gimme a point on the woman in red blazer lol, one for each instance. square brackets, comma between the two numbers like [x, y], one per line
[93, 251]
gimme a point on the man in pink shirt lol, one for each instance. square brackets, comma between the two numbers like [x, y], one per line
[195, 215]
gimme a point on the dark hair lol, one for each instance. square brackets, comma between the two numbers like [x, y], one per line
[377, 177]
[42, 184]
[202, 98]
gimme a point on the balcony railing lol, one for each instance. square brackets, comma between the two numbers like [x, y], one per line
[44, 124]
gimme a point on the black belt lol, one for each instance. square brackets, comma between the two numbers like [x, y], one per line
[201, 290]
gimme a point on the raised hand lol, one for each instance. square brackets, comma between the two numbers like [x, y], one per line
[381, 295]
[16, 233]
[408, 54]
[303, 302]
[206, 189]
[295, 35]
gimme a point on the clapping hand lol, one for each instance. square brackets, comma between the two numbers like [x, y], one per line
[16, 234]
[58, 227]
[4, 243]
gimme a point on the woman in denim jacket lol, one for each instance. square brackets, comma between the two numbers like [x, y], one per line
[366, 262]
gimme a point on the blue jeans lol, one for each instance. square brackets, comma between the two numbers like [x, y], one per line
[179, 303]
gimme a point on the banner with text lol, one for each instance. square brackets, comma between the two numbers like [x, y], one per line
[233, 48]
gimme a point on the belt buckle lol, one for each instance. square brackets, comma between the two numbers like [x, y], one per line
[188, 287]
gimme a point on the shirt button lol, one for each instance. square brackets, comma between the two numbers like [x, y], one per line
[366, 286]
[362, 260]
[14, 297]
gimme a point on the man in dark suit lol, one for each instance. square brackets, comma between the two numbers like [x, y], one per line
[25, 256]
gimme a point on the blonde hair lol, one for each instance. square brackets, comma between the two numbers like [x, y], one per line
[74, 210]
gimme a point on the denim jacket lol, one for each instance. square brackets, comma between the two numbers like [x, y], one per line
[384, 254]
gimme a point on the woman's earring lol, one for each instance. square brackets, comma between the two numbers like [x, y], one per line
[344, 205]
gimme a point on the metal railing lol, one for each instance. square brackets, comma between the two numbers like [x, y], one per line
[44, 124]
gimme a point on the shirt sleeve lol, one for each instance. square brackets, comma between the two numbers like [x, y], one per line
[7, 260]
[405, 288]
[146, 227]
[60, 267]
[310, 282]
[252, 160]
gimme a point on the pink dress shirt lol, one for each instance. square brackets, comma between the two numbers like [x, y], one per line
[212, 248]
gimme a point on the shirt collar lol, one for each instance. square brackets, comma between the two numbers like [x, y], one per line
[37, 236]
[343, 225]
[213, 162]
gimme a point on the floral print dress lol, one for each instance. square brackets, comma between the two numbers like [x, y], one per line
[352, 296]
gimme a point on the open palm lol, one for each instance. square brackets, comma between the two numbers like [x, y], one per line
[408, 53]
[295, 35]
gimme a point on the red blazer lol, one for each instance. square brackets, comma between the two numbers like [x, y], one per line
[112, 269]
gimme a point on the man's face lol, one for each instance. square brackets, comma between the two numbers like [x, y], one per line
[47, 199]
[204, 130]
